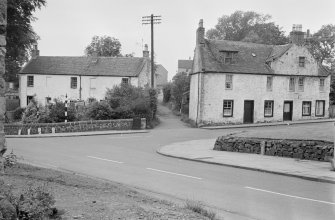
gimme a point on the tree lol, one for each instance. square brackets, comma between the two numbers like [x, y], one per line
[20, 34]
[104, 46]
[247, 26]
[322, 45]
[180, 85]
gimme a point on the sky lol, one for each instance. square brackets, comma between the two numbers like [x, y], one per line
[66, 27]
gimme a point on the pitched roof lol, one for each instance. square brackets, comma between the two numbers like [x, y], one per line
[91, 66]
[251, 57]
[185, 64]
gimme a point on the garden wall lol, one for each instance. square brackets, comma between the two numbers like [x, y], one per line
[78, 126]
[301, 149]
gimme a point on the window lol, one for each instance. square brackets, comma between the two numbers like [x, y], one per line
[228, 107]
[125, 81]
[292, 84]
[301, 84]
[301, 61]
[29, 98]
[73, 82]
[322, 85]
[306, 108]
[229, 57]
[30, 81]
[320, 108]
[229, 81]
[269, 83]
[268, 108]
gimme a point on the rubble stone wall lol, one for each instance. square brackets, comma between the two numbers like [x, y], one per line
[78, 126]
[301, 149]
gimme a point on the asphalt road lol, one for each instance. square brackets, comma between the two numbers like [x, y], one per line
[236, 193]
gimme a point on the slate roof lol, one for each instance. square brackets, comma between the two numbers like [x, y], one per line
[90, 66]
[185, 64]
[251, 58]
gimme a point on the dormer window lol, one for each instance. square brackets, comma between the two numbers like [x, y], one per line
[302, 61]
[229, 57]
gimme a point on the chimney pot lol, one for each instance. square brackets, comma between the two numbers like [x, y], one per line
[146, 51]
[35, 52]
[200, 33]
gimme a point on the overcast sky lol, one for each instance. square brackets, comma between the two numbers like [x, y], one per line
[67, 26]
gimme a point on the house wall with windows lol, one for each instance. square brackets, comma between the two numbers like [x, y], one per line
[57, 86]
[254, 87]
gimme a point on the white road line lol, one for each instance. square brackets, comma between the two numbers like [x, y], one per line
[129, 137]
[296, 197]
[178, 174]
[98, 158]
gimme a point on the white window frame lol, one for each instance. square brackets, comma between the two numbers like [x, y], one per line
[228, 108]
[74, 83]
[125, 79]
[302, 61]
[317, 108]
[301, 82]
[322, 82]
[291, 86]
[30, 83]
[306, 105]
[268, 108]
[229, 82]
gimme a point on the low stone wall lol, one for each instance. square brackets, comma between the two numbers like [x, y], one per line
[78, 126]
[301, 149]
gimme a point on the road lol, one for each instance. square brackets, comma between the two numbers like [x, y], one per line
[235, 193]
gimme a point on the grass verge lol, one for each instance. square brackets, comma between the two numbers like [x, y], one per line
[199, 208]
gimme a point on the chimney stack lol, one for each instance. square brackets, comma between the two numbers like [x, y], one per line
[200, 33]
[35, 52]
[146, 51]
[297, 36]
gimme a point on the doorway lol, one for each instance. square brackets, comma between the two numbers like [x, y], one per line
[288, 110]
[248, 111]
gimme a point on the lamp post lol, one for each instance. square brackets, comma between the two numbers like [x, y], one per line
[65, 108]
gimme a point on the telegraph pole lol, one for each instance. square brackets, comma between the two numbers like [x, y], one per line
[152, 19]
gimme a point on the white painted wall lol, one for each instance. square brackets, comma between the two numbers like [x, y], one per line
[57, 86]
[253, 87]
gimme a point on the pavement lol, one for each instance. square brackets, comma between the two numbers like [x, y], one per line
[268, 124]
[73, 134]
[201, 151]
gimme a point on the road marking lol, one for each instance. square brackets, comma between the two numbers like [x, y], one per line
[178, 174]
[129, 137]
[296, 197]
[98, 158]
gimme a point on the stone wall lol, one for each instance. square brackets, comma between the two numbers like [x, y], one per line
[78, 126]
[3, 25]
[301, 149]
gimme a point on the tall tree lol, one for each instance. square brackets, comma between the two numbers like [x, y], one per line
[104, 46]
[180, 85]
[322, 45]
[247, 26]
[20, 34]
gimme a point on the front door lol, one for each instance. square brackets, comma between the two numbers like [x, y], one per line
[248, 111]
[288, 110]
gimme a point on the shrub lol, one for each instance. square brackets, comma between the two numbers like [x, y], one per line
[35, 202]
[100, 111]
[198, 207]
[18, 112]
[167, 92]
[57, 112]
[30, 114]
[180, 85]
[10, 160]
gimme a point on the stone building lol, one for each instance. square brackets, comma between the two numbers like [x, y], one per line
[185, 66]
[240, 82]
[80, 78]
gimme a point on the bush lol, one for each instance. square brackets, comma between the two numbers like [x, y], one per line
[167, 92]
[18, 112]
[100, 111]
[198, 207]
[57, 112]
[30, 114]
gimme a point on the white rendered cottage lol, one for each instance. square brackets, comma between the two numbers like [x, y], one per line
[80, 78]
[240, 82]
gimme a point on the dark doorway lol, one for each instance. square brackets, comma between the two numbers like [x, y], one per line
[248, 111]
[29, 98]
[288, 110]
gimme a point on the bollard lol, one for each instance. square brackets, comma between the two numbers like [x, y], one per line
[28, 131]
[262, 147]
[53, 130]
[19, 132]
[39, 130]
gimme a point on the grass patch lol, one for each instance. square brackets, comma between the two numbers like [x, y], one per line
[199, 208]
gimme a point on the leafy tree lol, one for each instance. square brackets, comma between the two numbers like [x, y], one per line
[323, 45]
[167, 92]
[100, 111]
[247, 26]
[104, 46]
[180, 85]
[20, 34]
